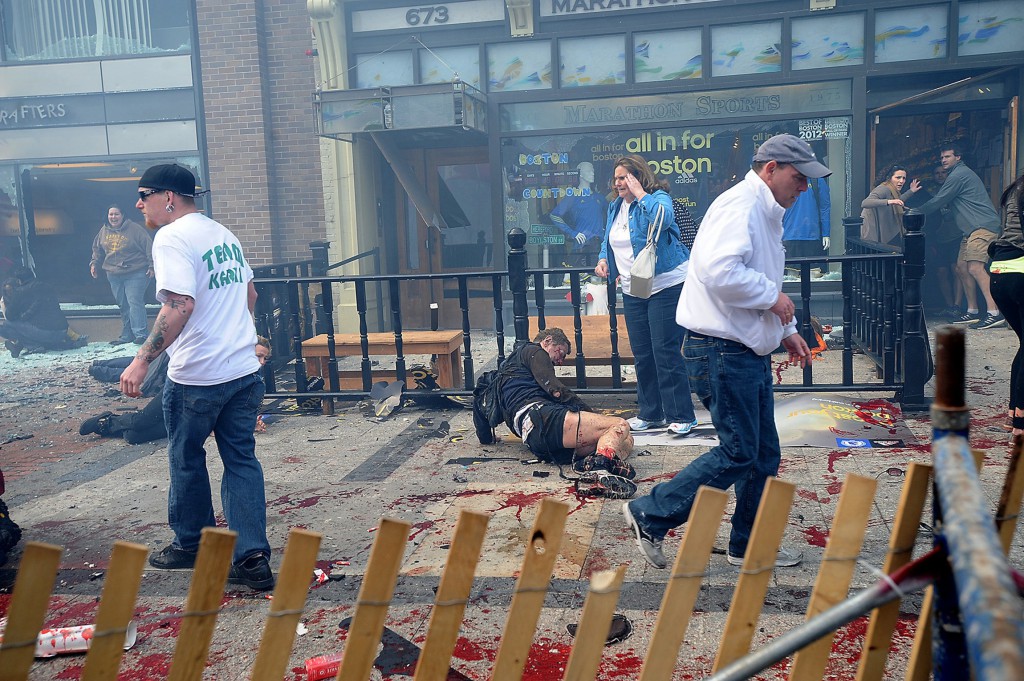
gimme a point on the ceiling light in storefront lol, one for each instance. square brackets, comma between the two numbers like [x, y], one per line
[74, 165]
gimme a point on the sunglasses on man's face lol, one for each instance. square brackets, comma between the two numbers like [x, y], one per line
[146, 193]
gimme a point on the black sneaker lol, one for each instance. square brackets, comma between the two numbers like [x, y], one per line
[254, 572]
[96, 424]
[14, 346]
[966, 318]
[599, 463]
[601, 483]
[174, 558]
[990, 321]
[650, 548]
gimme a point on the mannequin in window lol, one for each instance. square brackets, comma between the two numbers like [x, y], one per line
[581, 217]
[805, 226]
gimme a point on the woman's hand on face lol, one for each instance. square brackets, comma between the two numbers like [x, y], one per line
[635, 188]
[602, 268]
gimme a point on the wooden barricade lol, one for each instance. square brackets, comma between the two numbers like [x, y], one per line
[39, 565]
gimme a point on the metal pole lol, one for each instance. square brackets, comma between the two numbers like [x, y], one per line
[517, 263]
[992, 614]
[915, 340]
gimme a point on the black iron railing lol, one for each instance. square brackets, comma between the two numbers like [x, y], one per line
[881, 317]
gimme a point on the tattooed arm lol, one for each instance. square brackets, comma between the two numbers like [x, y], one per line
[171, 319]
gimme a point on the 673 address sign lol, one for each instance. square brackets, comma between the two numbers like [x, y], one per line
[426, 16]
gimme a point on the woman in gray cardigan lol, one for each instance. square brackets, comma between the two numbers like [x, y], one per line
[883, 208]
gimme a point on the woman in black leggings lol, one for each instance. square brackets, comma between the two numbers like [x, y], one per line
[1007, 271]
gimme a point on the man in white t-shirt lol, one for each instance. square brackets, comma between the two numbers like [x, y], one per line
[736, 315]
[213, 382]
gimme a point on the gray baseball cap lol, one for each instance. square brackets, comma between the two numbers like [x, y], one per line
[793, 150]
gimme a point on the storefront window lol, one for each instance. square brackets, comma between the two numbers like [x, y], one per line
[990, 27]
[667, 55]
[519, 66]
[84, 29]
[746, 48]
[443, 64]
[594, 60]
[911, 33]
[824, 42]
[65, 204]
[389, 68]
[559, 186]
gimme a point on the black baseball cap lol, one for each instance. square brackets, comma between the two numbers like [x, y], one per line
[794, 151]
[170, 177]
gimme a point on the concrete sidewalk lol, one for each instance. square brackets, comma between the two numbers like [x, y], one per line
[339, 475]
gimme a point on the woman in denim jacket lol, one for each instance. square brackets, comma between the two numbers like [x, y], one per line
[663, 391]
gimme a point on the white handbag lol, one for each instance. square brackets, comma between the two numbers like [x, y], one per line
[641, 274]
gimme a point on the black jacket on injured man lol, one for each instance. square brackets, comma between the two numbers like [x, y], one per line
[525, 384]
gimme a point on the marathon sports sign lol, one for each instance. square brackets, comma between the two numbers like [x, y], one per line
[561, 8]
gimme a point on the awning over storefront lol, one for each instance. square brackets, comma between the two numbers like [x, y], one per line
[424, 112]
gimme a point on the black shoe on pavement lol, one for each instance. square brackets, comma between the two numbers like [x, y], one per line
[96, 424]
[990, 321]
[650, 548]
[174, 558]
[254, 572]
[14, 346]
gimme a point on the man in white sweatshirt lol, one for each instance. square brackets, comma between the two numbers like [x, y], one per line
[737, 314]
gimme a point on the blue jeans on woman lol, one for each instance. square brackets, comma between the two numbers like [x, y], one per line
[735, 384]
[228, 410]
[129, 291]
[662, 389]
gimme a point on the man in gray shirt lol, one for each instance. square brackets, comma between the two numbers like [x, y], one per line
[964, 193]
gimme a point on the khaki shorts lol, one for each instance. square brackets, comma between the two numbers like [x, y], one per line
[975, 246]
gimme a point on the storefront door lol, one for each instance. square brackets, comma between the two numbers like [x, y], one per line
[457, 184]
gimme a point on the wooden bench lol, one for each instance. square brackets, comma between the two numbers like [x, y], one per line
[597, 344]
[447, 345]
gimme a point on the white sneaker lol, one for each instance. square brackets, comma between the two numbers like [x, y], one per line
[638, 425]
[784, 558]
[682, 428]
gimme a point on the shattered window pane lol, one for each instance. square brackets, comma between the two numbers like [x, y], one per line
[82, 29]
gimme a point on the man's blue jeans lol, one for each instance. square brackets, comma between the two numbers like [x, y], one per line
[228, 410]
[735, 384]
[662, 390]
[129, 291]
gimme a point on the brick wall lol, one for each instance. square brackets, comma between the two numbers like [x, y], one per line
[264, 158]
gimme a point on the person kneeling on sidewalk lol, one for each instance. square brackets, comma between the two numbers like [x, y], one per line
[556, 425]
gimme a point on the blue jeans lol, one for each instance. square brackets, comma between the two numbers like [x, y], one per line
[735, 384]
[229, 410]
[662, 389]
[129, 291]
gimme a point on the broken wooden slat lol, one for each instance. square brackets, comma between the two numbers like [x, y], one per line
[595, 622]
[1010, 498]
[901, 545]
[541, 552]
[375, 595]
[202, 605]
[117, 605]
[27, 612]
[286, 607]
[919, 664]
[452, 594]
[756, 573]
[836, 572]
[684, 584]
